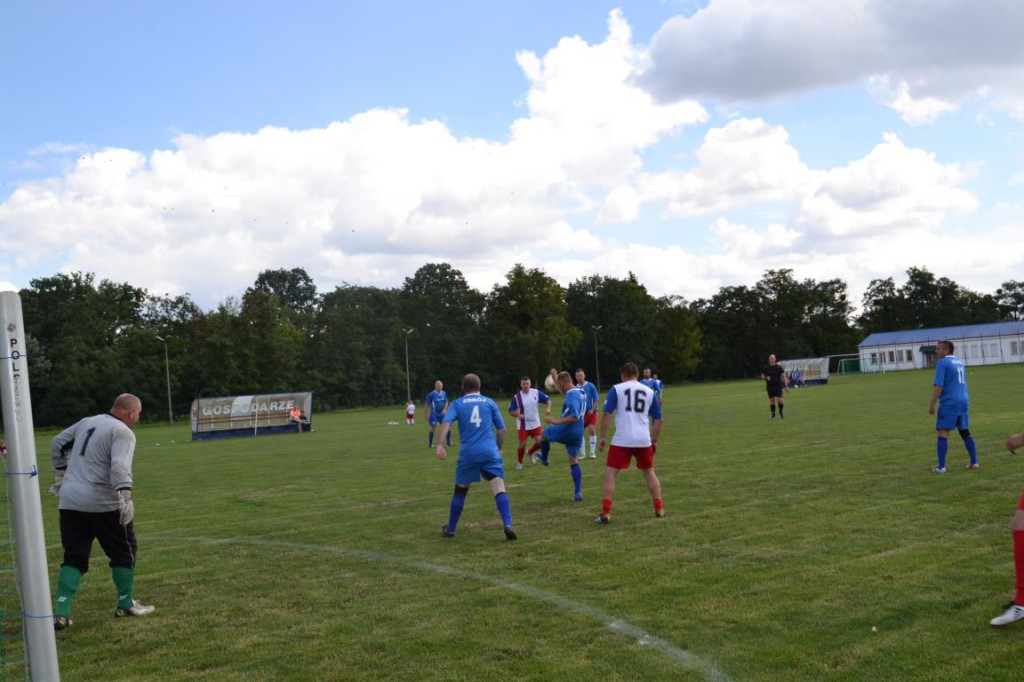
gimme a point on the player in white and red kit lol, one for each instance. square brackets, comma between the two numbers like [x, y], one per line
[410, 413]
[634, 406]
[524, 408]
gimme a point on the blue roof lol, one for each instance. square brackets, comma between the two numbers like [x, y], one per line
[967, 331]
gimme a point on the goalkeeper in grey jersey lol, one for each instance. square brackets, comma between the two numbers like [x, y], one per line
[92, 463]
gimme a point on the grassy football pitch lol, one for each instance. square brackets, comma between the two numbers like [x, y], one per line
[815, 548]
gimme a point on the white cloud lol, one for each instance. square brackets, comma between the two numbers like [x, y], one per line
[370, 199]
[934, 53]
[367, 199]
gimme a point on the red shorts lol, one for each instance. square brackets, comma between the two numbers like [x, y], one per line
[526, 433]
[590, 419]
[619, 457]
[1020, 505]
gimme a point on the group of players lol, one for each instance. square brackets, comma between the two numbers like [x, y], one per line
[633, 405]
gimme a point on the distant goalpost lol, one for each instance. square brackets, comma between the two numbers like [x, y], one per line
[24, 509]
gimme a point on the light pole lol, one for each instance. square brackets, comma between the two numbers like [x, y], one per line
[408, 384]
[597, 367]
[167, 369]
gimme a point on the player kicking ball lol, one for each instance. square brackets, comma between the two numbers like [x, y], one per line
[632, 405]
[481, 435]
[567, 430]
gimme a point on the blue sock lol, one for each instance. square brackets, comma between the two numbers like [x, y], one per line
[942, 447]
[455, 510]
[504, 508]
[430, 439]
[577, 477]
[972, 449]
[545, 448]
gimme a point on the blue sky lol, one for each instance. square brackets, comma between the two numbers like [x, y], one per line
[186, 146]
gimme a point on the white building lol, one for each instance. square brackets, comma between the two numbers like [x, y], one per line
[993, 343]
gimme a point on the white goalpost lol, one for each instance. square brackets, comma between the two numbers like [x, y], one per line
[26, 510]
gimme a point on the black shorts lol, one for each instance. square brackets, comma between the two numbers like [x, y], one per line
[774, 391]
[78, 529]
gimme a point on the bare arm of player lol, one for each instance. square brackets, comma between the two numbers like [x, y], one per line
[603, 430]
[499, 438]
[442, 438]
[936, 392]
[655, 432]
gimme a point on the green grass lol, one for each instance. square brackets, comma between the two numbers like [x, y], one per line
[319, 556]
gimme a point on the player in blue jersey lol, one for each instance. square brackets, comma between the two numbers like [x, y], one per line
[651, 383]
[633, 406]
[590, 418]
[567, 430]
[949, 390]
[481, 435]
[437, 405]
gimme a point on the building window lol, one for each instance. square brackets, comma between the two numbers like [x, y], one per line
[1014, 348]
[892, 357]
[993, 350]
[974, 351]
[910, 356]
[873, 359]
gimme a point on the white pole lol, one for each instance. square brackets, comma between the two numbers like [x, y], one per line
[23, 486]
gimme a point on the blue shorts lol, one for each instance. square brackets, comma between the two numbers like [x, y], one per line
[570, 435]
[470, 472]
[951, 418]
[436, 419]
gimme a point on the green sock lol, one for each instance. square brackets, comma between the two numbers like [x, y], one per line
[124, 579]
[68, 580]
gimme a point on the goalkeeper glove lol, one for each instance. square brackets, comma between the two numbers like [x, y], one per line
[127, 507]
[58, 481]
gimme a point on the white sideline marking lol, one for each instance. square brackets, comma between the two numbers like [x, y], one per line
[687, 660]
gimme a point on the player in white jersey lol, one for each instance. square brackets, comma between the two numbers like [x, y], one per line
[92, 463]
[524, 408]
[410, 413]
[637, 415]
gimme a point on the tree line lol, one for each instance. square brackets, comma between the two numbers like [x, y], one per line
[89, 340]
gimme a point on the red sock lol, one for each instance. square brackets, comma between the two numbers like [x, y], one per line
[520, 450]
[658, 505]
[1018, 564]
[535, 447]
[606, 506]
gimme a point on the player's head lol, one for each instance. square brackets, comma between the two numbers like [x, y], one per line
[564, 381]
[944, 348]
[470, 383]
[629, 371]
[438, 385]
[771, 359]
[525, 383]
[647, 372]
[127, 408]
[581, 376]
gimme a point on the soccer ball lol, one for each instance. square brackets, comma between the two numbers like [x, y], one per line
[549, 383]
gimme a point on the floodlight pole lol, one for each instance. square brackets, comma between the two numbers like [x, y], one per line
[597, 366]
[167, 369]
[408, 383]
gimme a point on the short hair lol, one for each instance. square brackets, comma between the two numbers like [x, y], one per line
[629, 370]
[947, 344]
[564, 376]
[127, 402]
[470, 382]
[526, 379]
[580, 369]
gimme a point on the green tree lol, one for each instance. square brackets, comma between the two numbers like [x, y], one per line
[628, 317]
[445, 313]
[525, 319]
